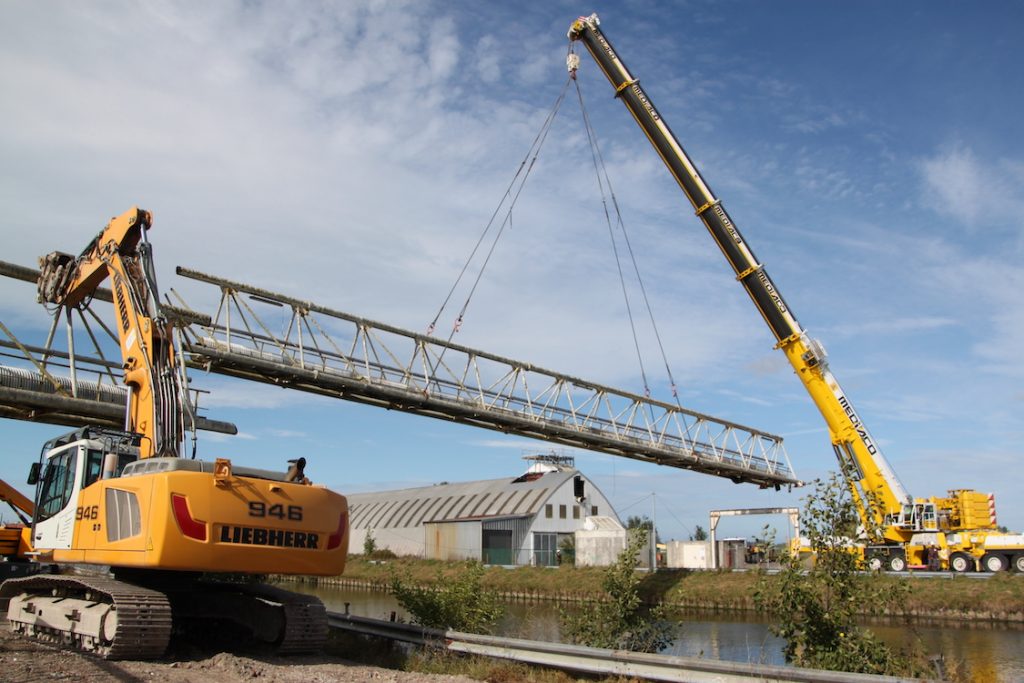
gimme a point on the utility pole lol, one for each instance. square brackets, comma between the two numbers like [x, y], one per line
[654, 531]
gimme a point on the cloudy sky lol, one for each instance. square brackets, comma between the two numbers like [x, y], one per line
[351, 153]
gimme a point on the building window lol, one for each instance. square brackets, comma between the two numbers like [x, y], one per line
[561, 512]
[593, 511]
[575, 511]
[545, 549]
[549, 510]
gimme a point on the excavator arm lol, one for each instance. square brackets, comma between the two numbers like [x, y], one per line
[18, 501]
[156, 405]
[878, 492]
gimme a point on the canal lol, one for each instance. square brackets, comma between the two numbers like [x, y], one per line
[992, 654]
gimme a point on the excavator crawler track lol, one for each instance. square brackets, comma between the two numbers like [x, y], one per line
[305, 619]
[92, 614]
[279, 620]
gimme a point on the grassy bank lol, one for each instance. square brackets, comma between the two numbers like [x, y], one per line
[1000, 598]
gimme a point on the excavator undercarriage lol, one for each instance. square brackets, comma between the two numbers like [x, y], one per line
[116, 619]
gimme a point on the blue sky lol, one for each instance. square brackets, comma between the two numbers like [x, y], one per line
[351, 153]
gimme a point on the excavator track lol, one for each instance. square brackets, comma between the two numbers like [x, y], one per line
[305, 619]
[283, 621]
[92, 614]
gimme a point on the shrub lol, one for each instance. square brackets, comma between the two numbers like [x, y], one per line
[369, 543]
[620, 622]
[816, 608]
[458, 602]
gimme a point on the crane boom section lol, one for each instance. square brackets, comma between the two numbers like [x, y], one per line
[859, 454]
[120, 252]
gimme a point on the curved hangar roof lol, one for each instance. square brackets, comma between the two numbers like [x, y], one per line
[409, 508]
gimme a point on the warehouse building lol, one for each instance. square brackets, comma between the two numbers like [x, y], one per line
[523, 520]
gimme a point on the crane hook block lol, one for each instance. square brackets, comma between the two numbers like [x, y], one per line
[572, 62]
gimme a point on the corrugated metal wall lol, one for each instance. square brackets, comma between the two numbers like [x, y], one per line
[453, 540]
[519, 526]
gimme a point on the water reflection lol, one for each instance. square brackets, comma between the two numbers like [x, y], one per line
[992, 655]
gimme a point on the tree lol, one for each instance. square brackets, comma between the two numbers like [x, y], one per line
[699, 534]
[642, 522]
[816, 609]
[459, 602]
[369, 543]
[621, 622]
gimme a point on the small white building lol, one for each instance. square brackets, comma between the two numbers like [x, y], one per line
[688, 555]
[518, 521]
[600, 542]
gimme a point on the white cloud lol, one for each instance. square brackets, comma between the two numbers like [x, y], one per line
[979, 194]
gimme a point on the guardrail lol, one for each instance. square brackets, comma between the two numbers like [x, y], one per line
[590, 660]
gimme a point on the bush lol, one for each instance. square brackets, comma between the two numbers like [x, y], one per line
[369, 543]
[816, 608]
[621, 622]
[458, 602]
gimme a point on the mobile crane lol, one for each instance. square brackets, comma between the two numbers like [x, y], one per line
[166, 526]
[958, 531]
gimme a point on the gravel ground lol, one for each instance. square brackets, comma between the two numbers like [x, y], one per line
[22, 661]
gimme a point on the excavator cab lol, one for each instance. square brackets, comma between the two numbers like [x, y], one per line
[69, 464]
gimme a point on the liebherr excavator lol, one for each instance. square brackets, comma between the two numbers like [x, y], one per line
[151, 530]
[957, 531]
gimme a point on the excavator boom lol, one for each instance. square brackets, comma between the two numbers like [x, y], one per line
[157, 402]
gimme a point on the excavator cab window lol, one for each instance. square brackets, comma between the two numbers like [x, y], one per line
[93, 467]
[57, 485]
[105, 464]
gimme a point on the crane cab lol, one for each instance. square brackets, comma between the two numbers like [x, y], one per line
[919, 516]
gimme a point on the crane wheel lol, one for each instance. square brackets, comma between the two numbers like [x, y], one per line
[994, 562]
[1018, 563]
[897, 563]
[961, 563]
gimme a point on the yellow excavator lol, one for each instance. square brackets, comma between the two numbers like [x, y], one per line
[957, 531]
[147, 539]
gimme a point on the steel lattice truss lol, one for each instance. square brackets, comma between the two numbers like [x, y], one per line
[335, 354]
[64, 385]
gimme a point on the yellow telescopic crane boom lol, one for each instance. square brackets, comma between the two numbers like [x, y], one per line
[859, 455]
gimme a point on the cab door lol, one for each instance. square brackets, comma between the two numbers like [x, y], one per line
[56, 500]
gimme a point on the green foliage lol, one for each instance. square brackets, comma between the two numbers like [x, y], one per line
[765, 543]
[369, 543]
[457, 602]
[699, 534]
[620, 622]
[642, 522]
[816, 609]
[639, 522]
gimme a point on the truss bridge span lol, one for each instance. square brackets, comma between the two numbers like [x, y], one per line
[337, 354]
